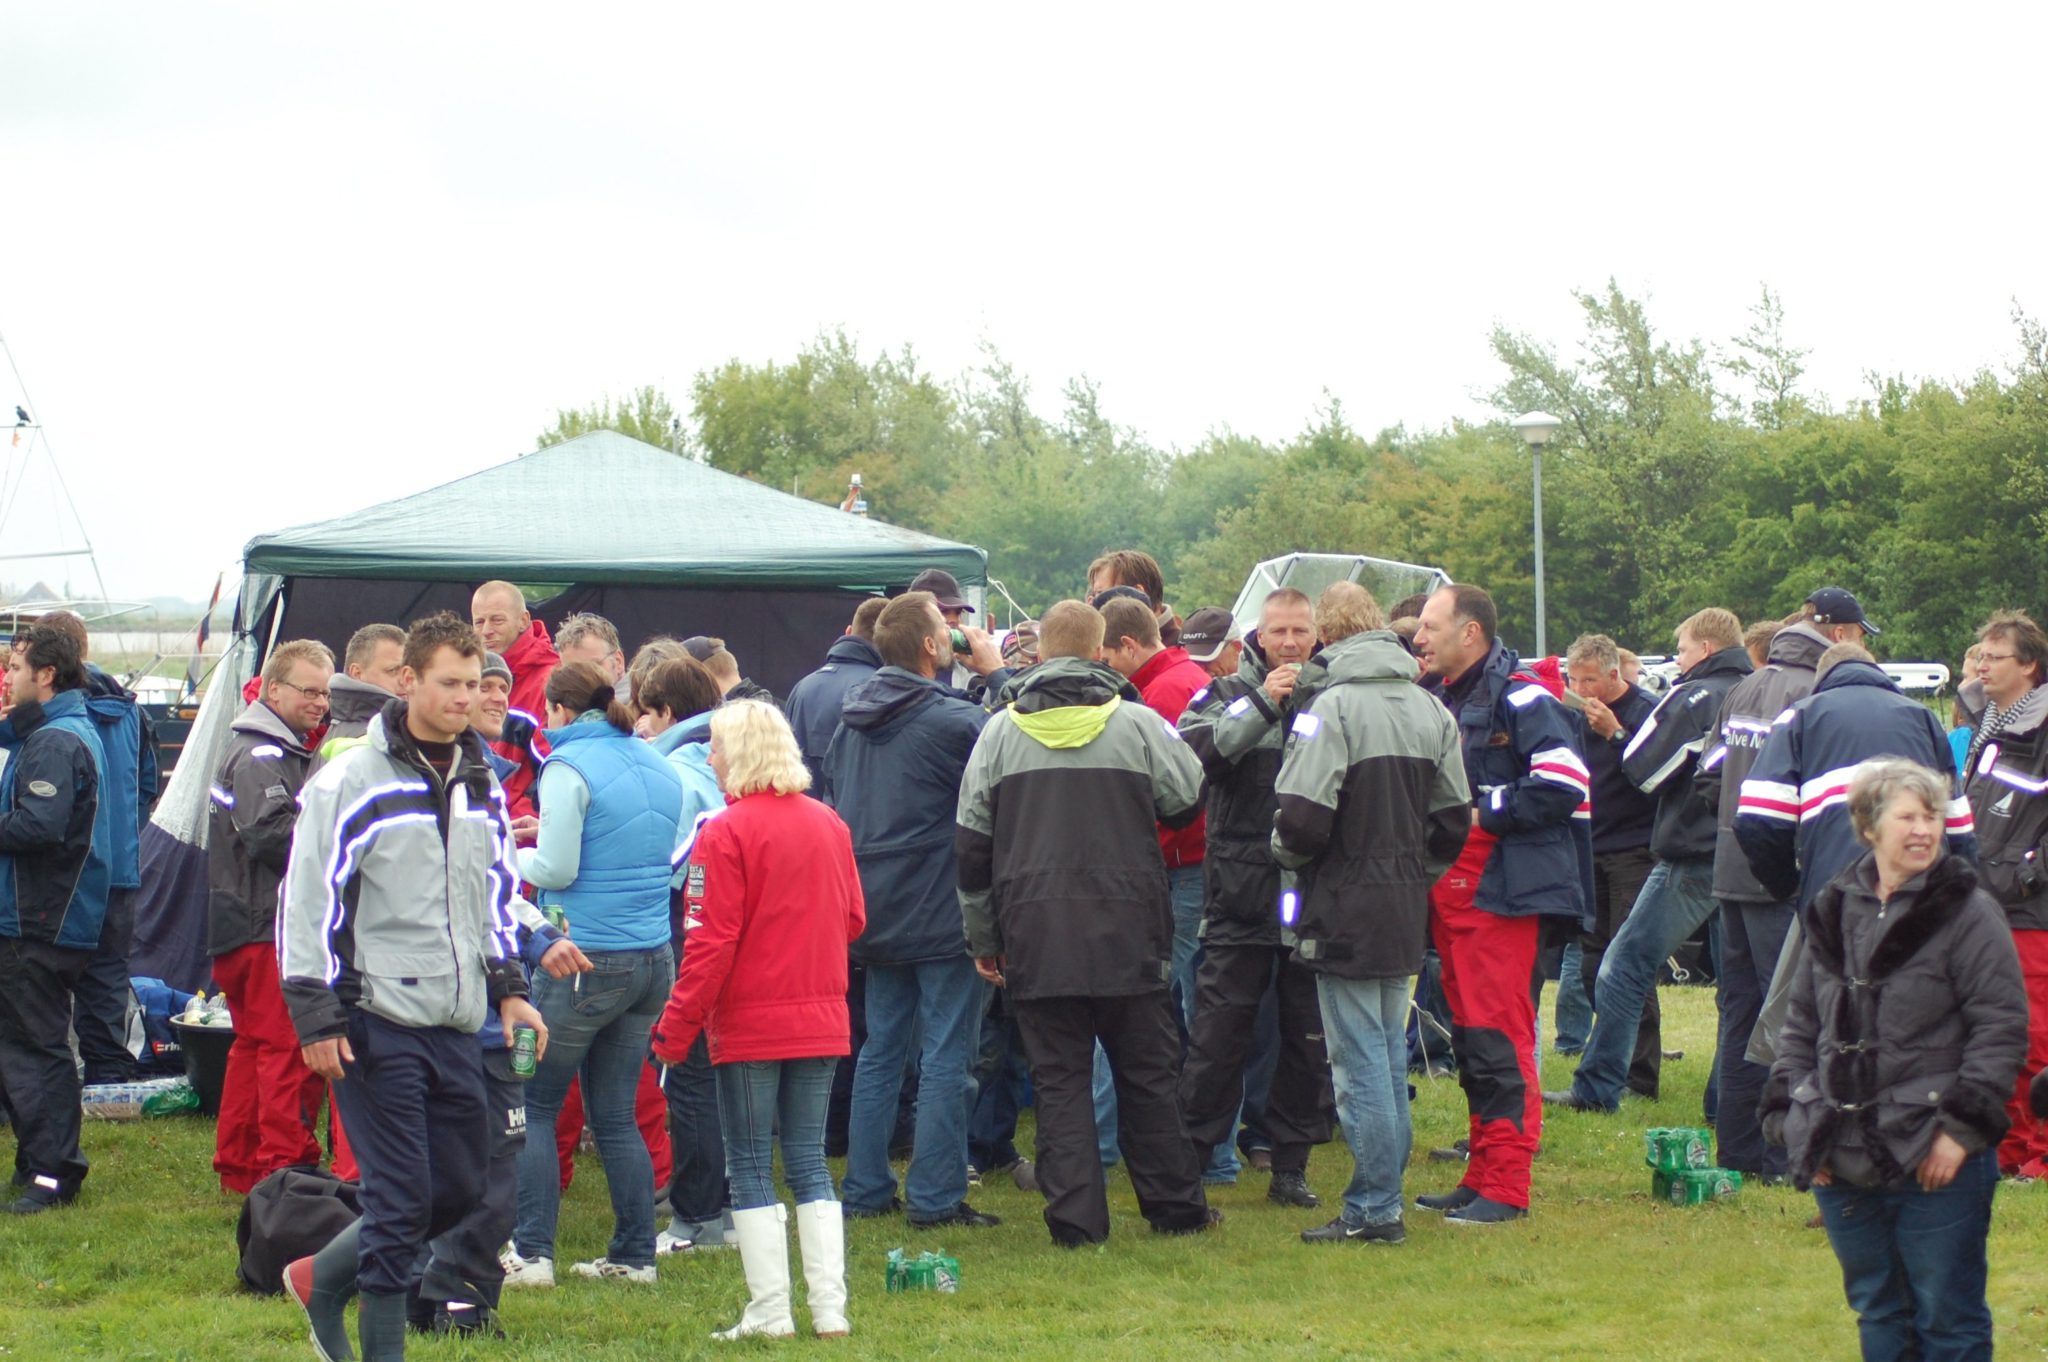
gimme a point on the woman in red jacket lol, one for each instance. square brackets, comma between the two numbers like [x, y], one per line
[771, 900]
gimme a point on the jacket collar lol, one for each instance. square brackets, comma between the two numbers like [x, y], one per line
[696, 728]
[1797, 645]
[530, 651]
[1156, 665]
[1857, 673]
[350, 701]
[1726, 661]
[2027, 714]
[853, 648]
[30, 715]
[389, 735]
[1062, 681]
[1937, 897]
[261, 718]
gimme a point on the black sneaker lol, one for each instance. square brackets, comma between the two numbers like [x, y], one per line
[467, 1321]
[853, 1212]
[1570, 1100]
[1341, 1231]
[1480, 1211]
[1445, 1202]
[964, 1216]
[39, 1195]
[1211, 1218]
[1459, 1152]
[1291, 1189]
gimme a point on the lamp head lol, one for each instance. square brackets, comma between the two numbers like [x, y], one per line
[1537, 427]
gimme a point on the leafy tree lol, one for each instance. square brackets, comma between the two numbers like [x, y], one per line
[645, 414]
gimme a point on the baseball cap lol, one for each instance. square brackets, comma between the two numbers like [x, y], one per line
[1832, 605]
[1207, 632]
[700, 647]
[943, 585]
[495, 665]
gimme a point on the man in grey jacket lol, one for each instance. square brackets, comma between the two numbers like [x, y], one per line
[397, 935]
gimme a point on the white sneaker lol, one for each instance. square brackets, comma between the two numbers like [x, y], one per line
[527, 1272]
[604, 1269]
[669, 1242]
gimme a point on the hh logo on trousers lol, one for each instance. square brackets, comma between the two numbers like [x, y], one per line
[515, 1121]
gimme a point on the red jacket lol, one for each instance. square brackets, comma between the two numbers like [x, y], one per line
[533, 659]
[1167, 683]
[771, 901]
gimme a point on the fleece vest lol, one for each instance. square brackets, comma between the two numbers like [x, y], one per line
[619, 898]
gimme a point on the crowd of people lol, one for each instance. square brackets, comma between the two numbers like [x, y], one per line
[1207, 885]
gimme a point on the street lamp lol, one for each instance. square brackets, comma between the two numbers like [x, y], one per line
[1538, 428]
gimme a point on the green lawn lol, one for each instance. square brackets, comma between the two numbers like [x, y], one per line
[143, 1268]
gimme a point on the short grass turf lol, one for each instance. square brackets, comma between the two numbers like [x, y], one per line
[143, 1267]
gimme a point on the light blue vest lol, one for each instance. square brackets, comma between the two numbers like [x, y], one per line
[619, 898]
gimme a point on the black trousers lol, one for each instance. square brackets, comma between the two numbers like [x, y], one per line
[1142, 1039]
[839, 1108]
[413, 1104]
[100, 1002]
[1618, 877]
[1752, 935]
[38, 1079]
[1229, 987]
[461, 1264]
[696, 1185]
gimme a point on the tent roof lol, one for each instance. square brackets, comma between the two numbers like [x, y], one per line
[606, 508]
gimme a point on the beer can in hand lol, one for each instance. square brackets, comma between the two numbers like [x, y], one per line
[525, 1051]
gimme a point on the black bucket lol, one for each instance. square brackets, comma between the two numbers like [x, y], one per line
[206, 1060]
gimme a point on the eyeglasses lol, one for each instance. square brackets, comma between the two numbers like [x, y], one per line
[1996, 657]
[309, 692]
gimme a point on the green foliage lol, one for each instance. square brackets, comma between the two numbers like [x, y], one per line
[645, 414]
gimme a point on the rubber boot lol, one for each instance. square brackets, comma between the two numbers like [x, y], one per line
[334, 1284]
[764, 1254]
[380, 1324]
[821, 1233]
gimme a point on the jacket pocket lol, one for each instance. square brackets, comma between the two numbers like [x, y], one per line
[1796, 1126]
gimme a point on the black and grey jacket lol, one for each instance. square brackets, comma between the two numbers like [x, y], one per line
[1661, 756]
[1237, 732]
[1906, 1017]
[1373, 808]
[255, 803]
[2008, 792]
[1747, 713]
[1060, 870]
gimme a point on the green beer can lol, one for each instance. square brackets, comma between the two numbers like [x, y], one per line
[525, 1051]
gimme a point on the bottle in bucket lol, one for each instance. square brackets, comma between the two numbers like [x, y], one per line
[525, 1051]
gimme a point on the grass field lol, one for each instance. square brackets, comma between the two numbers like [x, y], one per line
[143, 1268]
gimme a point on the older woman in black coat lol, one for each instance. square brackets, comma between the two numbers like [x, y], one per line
[1906, 1025]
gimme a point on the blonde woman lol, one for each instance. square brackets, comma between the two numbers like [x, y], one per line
[771, 899]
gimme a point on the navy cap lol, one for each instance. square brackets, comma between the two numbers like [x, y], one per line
[1832, 605]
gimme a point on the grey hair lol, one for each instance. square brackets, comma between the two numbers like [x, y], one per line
[1876, 783]
[584, 625]
[1598, 649]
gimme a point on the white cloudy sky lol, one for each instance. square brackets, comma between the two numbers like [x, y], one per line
[264, 263]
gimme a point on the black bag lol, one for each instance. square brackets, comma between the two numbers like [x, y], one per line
[291, 1214]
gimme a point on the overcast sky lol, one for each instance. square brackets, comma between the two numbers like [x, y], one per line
[262, 264]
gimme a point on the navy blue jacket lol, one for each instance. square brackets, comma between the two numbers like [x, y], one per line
[1793, 821]
[130, 750]
[814, 703]
[893, 774]
[1663, 753]
[53, 824]
[1527, 769]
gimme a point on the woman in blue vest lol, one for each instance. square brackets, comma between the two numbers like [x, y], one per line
[610, 807]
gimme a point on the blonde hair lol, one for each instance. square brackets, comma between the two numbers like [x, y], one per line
[759, 751]
[278, 668]
[1713, 626]
[1070, 629]
[1345, 609]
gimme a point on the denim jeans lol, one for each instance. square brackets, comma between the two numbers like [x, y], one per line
[1365, 1024]
[1676, 899]
[597, 1025]
[938, 1004]
[1000, 1076]
[758, 1098]
[1574, 1008]
[1913, 1263]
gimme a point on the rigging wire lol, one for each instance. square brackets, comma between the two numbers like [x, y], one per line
[55, 468]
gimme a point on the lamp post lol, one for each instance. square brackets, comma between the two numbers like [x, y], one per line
[1538, 428]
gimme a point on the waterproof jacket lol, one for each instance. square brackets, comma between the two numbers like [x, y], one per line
[55, 826]
[1237, 732]
[128, 742]
[2008, 793]
[1793, 821]
[1167, 682]
[1373, 809]
[351, 704]
[611, 811]
[1906, 1017]
[533, 659]
[398, 896]
[686, 747]
[1531, 787]
[773, 900]
[255, 803]
[1747, 713]
[815, 701]
[1060, 871]
[749, 689]
[893, 774]
[1661, 757]
[1623, 816]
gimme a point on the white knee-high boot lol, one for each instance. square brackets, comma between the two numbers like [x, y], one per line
[764, 1254]
[821, 1231]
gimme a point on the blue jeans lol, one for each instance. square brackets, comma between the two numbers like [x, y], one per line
[1574, 1009]
[940, 1002]
[1913, 1263]
[1184, 888]
[597, 1024]
[758, 1098]
[1365, 1022]
[1676, 899]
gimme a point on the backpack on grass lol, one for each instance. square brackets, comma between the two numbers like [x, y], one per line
[290, 1215]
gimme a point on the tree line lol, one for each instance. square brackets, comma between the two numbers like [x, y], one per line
[1685, 475]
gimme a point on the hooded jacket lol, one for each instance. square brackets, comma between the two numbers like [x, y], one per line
[815, 702]
[1373, 809]
[1060, 871]
[533, 659]
[1237, 732]
[1530, 785]
[128, 742]
[255, 802]
[1167, 682]
[1738, 739]
[1793, 820]
[686, 747]
[351, 704]
[2008, 793]
[55, 825]
[893, 774]
[1906, 1018]
[398, 895]
[1661, 757]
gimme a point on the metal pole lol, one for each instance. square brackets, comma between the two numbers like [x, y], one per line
[1542, 640]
